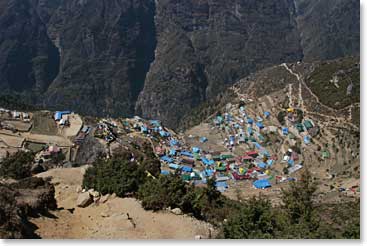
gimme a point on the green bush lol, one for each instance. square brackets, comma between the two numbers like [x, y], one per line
[253, 220]
[116, 175]
[281, 116]
[164, 192]
[17, 166]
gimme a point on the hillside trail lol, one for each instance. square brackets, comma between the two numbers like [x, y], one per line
[109, 220]
[304, 109]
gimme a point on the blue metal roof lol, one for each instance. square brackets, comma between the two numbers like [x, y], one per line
[186, 153]
[174, 166]
[262, 184]
[58, 114]
[207, 162]
[164, 172]
[186, 169]
[195, 149]
[261, 165]
[167, 159]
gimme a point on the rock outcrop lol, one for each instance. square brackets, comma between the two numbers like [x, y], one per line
[84, 200]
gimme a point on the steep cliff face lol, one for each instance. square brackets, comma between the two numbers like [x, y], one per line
[28, 59]
[329, 28]
[159, 59]
[205, 45]
[106, 48]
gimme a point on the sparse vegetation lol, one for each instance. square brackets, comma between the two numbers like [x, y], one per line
[347, 72]
[17, 166]
[298, 217]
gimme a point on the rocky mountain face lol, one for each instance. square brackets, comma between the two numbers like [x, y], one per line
[28, 59]
[205, 45]
[105, 51]
[158, 59]
[329, 28]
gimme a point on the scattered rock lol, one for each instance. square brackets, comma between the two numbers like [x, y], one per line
[84, 199]
[93, 193]
[79, 189]
[104, 198]
[104, 215]
[176, 211]
[67, 165]
[96, 199]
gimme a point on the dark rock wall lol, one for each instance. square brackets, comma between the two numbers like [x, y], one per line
[159, 59]
[329, 28]
[203, 46]
[28, 59]
[106, 48]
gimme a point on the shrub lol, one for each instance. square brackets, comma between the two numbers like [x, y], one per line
[253, 220]
[117, 175]
[17, 166]
[166, 191]
[281, 116]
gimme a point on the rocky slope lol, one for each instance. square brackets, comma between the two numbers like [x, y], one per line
[21, 199]
[319, 94]
[158, 59]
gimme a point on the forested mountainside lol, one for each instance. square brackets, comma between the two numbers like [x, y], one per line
[158, 59]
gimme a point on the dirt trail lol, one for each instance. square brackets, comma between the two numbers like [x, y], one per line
[109, 220]
[300, 99]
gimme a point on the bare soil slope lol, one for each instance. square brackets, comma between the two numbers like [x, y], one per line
[109, 220]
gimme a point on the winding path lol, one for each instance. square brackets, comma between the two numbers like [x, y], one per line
[302, 82]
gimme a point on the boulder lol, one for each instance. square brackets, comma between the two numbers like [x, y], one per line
[104, 215]
[104, 198]
[96, 199]
[84, 199]
[67, 165]
[176, 211]
[198, 237]
[94, 194]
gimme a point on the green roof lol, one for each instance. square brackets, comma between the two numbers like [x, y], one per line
[226, 156]
[186, 177]
[325, 154]
[220, 168]
[299, 127]
[307, 124]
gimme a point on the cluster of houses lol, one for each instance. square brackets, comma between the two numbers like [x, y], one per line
[240, 128]
[195, 165]
[47, 153]
[106, 130]
[305, 127]
[16, 115]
